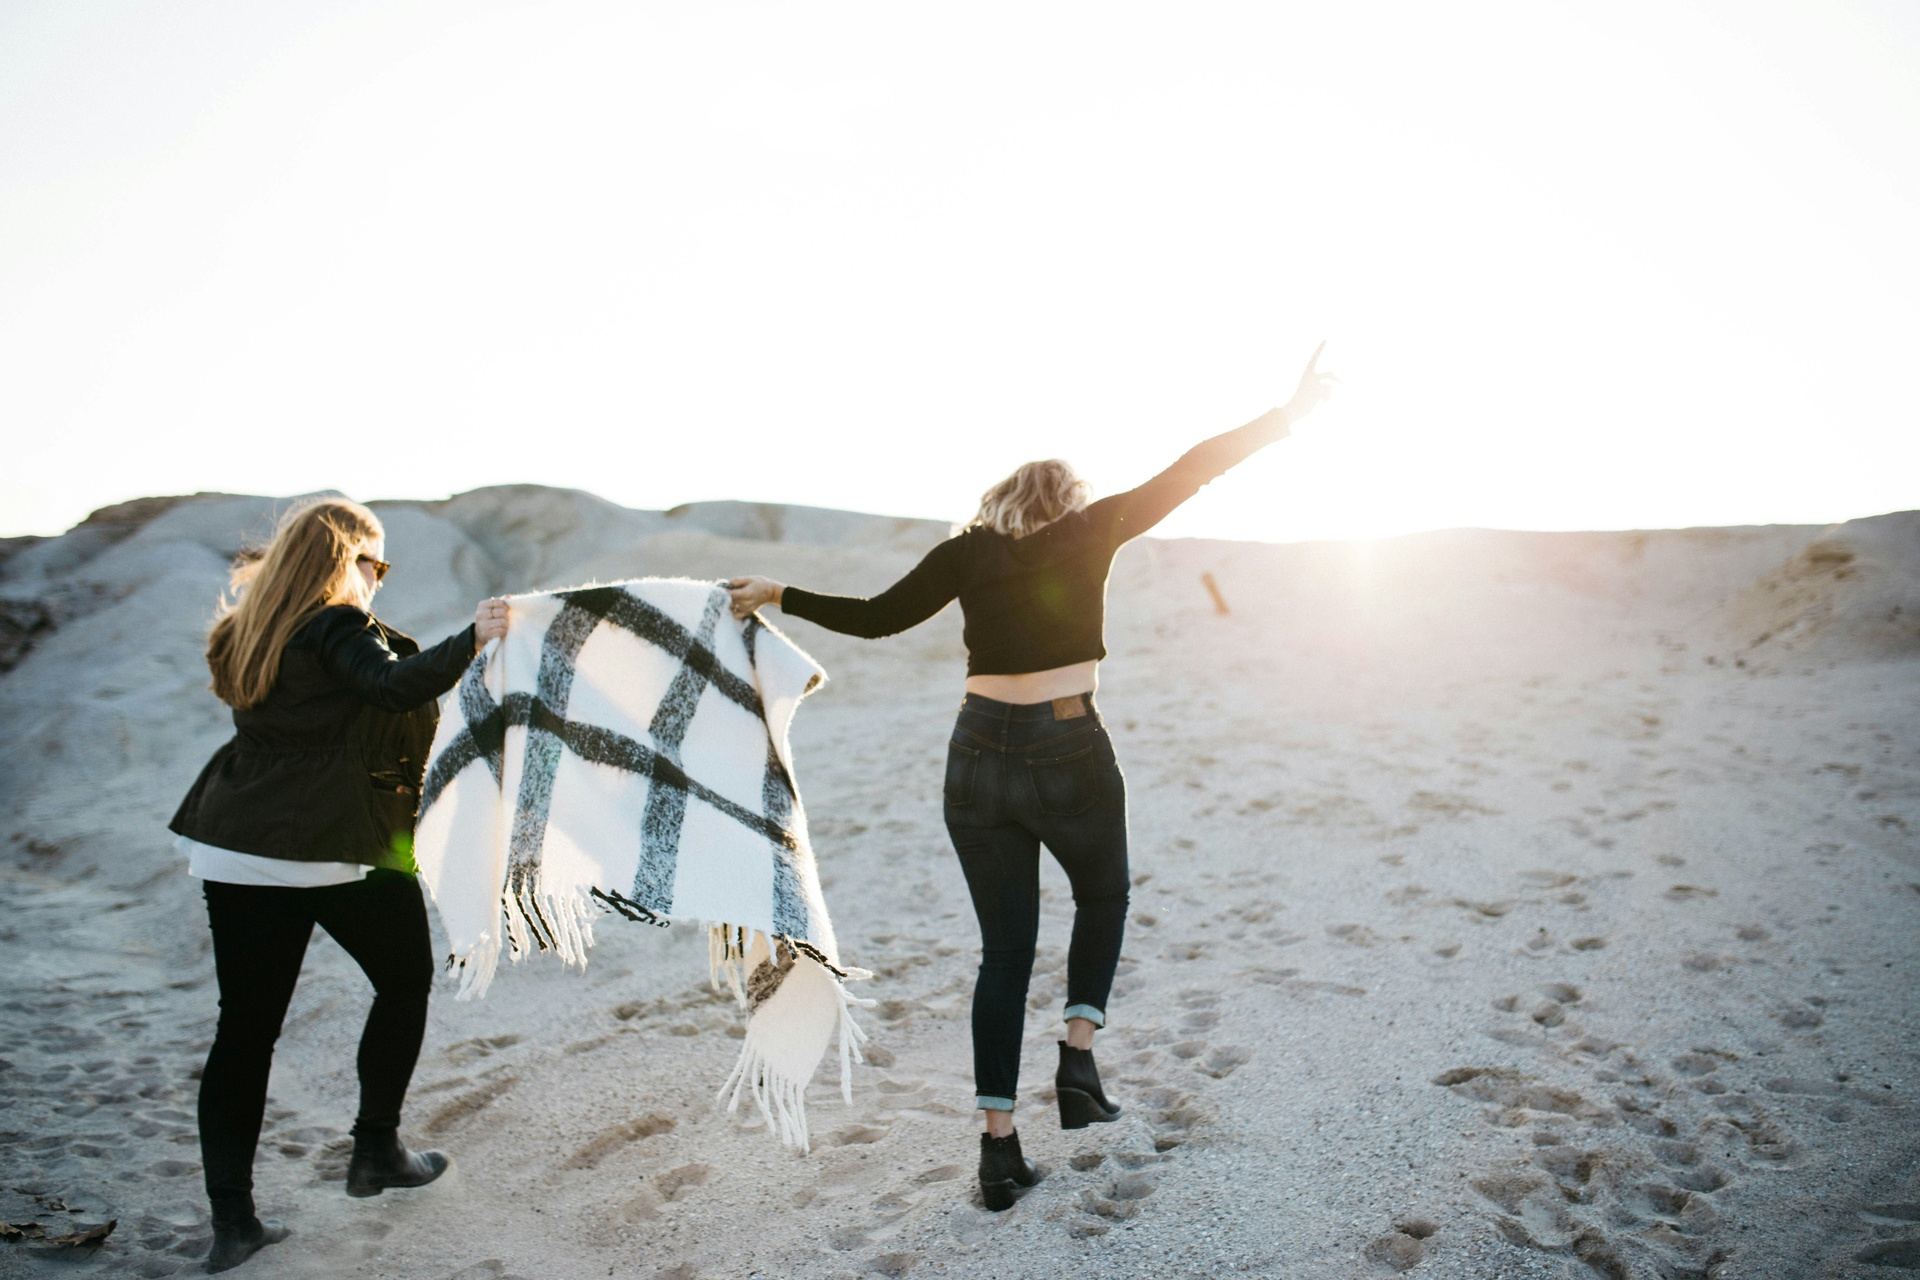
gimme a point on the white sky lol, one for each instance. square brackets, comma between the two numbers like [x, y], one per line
[1581, 266]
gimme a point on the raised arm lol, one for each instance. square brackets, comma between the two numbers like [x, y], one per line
[352, 651]
[1130, 514]
[926, 590]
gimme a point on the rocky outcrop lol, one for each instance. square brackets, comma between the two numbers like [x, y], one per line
[1853, 591]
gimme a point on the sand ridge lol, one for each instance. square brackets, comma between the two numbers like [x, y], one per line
[1504, 905]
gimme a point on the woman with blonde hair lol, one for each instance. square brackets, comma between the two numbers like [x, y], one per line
[1030, 762]
[306, 817]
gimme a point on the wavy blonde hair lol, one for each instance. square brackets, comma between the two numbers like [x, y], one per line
[1031, 498]
[304, 569]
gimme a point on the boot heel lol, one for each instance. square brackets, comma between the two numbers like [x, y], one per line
[997, 1194]
[1078, 1109]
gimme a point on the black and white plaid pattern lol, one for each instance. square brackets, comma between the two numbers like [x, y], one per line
[543, 712]
[625, 747]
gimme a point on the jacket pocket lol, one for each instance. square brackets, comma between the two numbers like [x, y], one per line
[392, 782]
[1067, 785]
[963, 766]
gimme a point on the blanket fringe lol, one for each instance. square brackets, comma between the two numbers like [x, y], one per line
[727, 947]
[563, 924]
[782, 1101]
[476, 968]
[531, 921]
[558, 922]
[851, 1036]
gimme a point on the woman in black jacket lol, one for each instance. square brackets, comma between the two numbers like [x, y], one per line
[1030, 762]
[306, 817]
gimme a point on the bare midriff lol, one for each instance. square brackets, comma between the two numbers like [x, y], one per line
[1039, 686]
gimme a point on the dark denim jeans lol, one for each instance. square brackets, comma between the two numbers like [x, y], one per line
[1019, 777]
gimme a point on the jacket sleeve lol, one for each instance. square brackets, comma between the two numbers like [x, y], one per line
[1128, 515]
[352, 651]
[928, 588]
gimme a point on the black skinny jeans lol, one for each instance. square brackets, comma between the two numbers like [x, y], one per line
[260, 936]
[1017, 778]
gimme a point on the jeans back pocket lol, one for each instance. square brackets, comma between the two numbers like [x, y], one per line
[1067, 785]
[963, 765]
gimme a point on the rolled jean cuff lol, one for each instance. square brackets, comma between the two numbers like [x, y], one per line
[1097, 1017]
[993, 1104]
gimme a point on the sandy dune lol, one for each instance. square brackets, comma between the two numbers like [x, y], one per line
[1507, 905]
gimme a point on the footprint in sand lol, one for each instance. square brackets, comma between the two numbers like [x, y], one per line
[940, 1173]
[330, 1162]
[1509, 1092]
[1585, 1192]
[675, 1184]
[1803, 1016]
[1118, 1199]
[1768, 1144]
[464, 1051]
[1225, 1060]
[490, 1269]
[1357, 934]
[1402, 1248]
[853, 1135]
[1170, 1115]
[1549, 1013]
[1700, 1066]
[1290, 980]
[616, 1138]
[1535, 1216]
[467, 1105]
[1904, 1254]
[678, 1184]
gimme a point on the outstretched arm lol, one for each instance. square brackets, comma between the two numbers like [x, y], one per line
[1128, 515]
[922, 593]
[353, 652]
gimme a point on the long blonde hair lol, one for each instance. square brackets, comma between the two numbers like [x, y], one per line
[304, 569]
[1031, 498]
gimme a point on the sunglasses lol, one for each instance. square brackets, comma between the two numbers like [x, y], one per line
[380, 567]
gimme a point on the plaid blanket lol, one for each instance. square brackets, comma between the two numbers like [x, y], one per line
[624, 749]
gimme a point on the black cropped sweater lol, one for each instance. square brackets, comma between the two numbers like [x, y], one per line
[1038, 602]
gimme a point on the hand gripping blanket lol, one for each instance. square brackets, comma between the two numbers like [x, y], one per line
[625, 749]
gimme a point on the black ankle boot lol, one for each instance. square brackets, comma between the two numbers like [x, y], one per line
[381, 1161]
[1003, 1168]
[236, 1240]
[1077, 1084]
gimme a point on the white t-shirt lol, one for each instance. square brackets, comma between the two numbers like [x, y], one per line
[210, 862]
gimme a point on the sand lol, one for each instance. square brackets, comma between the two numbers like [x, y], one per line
[1506, 905]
